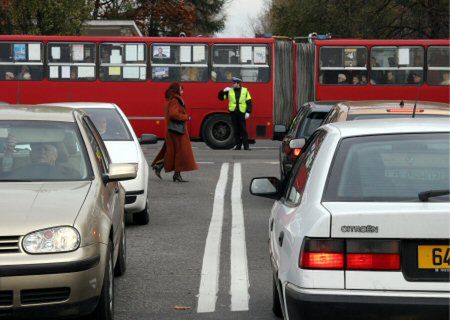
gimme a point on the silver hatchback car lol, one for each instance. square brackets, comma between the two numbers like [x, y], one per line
[62, 234]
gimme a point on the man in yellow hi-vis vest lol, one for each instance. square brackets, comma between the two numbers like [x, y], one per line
[240, 107]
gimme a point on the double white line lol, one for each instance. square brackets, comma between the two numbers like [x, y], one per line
[209, 283]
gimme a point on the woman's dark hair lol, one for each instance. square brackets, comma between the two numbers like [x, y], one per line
[174, 88]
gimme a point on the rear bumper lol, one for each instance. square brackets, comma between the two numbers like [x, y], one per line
[324, 304]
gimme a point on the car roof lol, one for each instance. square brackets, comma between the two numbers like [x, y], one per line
[389, 126]
[371, 106]
[36, 112]
[84, 105]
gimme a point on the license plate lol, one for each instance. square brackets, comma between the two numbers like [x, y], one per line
[433, 257]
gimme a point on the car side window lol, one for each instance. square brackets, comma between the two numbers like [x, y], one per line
[302, 169]
[100, 157]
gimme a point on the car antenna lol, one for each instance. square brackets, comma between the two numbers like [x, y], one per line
[415, 103]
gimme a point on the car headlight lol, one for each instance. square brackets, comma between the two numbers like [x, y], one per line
[52, 240]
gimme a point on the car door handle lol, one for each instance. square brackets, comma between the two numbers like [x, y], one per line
[281, 238]
[271, 224]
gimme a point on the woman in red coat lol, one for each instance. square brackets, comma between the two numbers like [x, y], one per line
[176, 153]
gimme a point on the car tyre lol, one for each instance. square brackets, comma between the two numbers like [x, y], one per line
[276, 303]
[105, 306]
[218, 132]
[121, 264]
[142, 217]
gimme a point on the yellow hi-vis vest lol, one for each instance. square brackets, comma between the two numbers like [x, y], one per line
[245, 96]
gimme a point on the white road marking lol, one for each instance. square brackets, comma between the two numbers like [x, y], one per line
[205, 162]
[239, 267]
[209, 282]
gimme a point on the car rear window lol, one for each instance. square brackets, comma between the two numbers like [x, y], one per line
[389, 168]
[109, 124]
[392, 115]
[310, 124]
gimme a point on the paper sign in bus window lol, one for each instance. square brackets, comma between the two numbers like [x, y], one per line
[131, 72]
[131, 53]
[56, 53]
[20, 52]
[199, 54]
[116, 57]
[34, 52]
[259, 55]
[142, 73]
[161, 52]
[246, 54]
[350, 57]
[160, 72]
[65, 72]
[114, 71]
[185, 53]
[403, 56]
[77, 52]
[140, 52]
[54, 73]
[86, 72]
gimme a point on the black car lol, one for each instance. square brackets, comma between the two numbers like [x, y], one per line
[306, 121]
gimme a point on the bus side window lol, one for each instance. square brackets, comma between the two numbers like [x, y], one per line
[343, 65]
[123, 62]
[397, 65]
[438, 66]
[179, 62]
[251, 63]
[21, 61]
[71, 61]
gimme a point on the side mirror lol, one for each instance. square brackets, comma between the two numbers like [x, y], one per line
[120, 172]
[148, 139]
[267, 187]
[297, 143]
[279, 131]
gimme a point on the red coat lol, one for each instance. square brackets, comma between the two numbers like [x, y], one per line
[177, 150]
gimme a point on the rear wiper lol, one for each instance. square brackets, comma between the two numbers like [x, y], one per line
[425, 195]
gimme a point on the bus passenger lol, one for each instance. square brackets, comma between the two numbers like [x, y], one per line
[9, 75]
[24, 73]
[355, 80]
[390, 77]
[342, 78]
[363, 79]
[445, 79]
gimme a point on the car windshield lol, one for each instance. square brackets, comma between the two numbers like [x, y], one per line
[392, 115]
[109, 124]
[41, 151]
[390, 168]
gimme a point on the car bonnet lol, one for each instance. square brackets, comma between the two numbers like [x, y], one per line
[31, 206]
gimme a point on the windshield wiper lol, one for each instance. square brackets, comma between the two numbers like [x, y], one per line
[15, 180]
[425, 195]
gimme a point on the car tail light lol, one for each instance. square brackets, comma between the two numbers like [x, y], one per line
[354, 254]
[372, 261]
[373, 255]
[296, 152]
[322, 254]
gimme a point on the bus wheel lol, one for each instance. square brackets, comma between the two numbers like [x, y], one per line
[218, 132]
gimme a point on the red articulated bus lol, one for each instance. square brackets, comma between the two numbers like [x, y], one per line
[355, 69]
[134, 73]
[281, 74]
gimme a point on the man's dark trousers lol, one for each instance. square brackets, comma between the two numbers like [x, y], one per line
[240, 129]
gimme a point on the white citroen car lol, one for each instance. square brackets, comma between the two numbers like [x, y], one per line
[361, 227]
[123, 147]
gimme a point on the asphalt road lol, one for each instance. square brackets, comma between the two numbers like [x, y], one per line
[166, 257]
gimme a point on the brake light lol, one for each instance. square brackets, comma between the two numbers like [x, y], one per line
[322, 260]
[350, 254]
[404, 110]
[372, 261]
[296, 152]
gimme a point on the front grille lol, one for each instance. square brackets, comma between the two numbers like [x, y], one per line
[6, 298]
[34, 296]
[9, 244]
